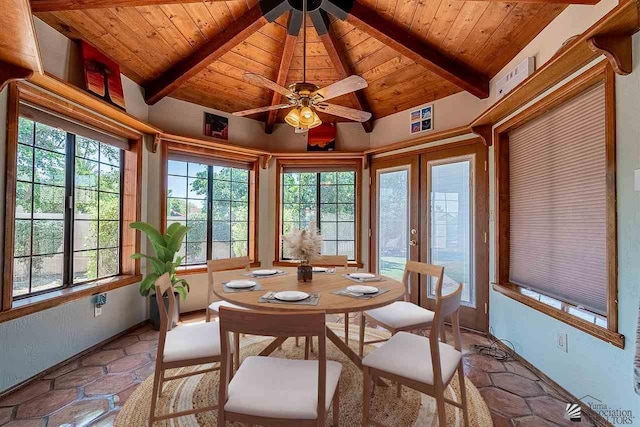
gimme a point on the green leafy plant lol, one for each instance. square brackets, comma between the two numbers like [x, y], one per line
[165, 261]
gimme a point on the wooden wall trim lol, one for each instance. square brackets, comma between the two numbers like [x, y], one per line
[413, 142]
[19, 42]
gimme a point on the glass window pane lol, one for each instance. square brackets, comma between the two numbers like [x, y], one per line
[346, 212]
[328, 178]
[288, 226]
[346, 177]
[109, 234]
[308, 194]
[109, 206]
[176, 209]
[309, 178]
[197, 231]
[221, 190]
[48, 236]
[86, 204]
[46, 272]
[222, 172]
[21, 275]
[328, 194]
[197, 210]
[347, 248]
[291, 213]
[25, 163]
[346, 193]
[197, 170]
[85, 235]
[85, 266]
[291, 194]
[108, 262]
[176, 186]
[25, 131]
[48, 202]
[175, 167]
[49, 168]
[221, 210]
[109, 154]
[239, 231]
[239, 249]
[23, 200]
[329, 247]
[87, 148]
[50, 138]
[86, 174]
[221, 231]
[109, 178]
[290, 179]
[239, 211]
[328, 230]
[239, 191]
[196, 253]
[240, 175]
[346, 231]
[22, 243]
[328, 213]
[221, 250]
[393, 223]
[198, 188]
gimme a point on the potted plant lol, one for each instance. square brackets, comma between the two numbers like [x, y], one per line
[166, 260]
[304, 245]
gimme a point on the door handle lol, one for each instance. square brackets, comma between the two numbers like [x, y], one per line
[413, 242]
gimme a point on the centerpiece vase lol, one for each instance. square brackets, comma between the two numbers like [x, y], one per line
[305, 273]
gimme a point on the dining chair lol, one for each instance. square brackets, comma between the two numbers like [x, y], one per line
[423, 364]
[213, 307]
[403, 315]
[181, 346]
[336, 261]
[271, 391]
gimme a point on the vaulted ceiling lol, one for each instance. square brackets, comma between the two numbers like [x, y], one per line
[409, 51]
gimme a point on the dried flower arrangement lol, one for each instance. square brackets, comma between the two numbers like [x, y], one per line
[305, 244]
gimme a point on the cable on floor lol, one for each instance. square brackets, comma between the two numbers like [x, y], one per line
[496, 352]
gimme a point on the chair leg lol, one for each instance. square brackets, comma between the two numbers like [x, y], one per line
[154, 397]
[297, 341]
[236, 356]
[361, 343]
[208, 314]
[336, 407]
[463, 395]
[366, 396]
[443, 334]
[399, 390]
[311, 344]
[306, 348]
[161, 383]
[442, 414]
[346, 328]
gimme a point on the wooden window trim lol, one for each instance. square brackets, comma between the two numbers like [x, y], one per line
[600, 73]
[223, 158]
[131, 210]
[310, 163]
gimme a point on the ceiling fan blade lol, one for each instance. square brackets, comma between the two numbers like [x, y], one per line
[261, 110]
[258, 80]
[346, 112]
[344, 86]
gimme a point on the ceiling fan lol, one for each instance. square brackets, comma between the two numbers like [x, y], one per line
[307, 98]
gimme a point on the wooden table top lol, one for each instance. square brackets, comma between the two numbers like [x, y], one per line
[322, 284]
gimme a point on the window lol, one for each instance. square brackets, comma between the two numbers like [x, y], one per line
[556, 206]
[213, 200]
[326, 196]
[67, 209]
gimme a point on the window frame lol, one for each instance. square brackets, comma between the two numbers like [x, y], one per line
[600, 73]
[318, 165]
[190, 148]
[130, 207]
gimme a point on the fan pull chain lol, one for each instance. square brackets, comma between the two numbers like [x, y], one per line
[304, 41]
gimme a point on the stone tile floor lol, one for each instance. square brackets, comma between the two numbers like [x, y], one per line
[90, 391]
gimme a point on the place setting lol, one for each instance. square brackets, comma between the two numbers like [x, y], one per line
[323, 270]
[361, 291]
[363, 277]
[265, 273]
[290, 297]
[241, 286]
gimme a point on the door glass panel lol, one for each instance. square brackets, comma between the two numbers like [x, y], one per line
[450, 224]
[393, 222]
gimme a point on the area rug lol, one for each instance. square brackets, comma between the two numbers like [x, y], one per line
[411, 410]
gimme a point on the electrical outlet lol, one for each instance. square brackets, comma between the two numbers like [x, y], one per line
[97, 310]
[561, 341]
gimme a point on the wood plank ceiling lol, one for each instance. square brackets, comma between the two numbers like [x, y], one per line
[148, 40]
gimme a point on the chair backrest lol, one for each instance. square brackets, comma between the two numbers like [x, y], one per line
[332, 261]
[163, 286]
[272, 324]
[216, 265]
[424, 269]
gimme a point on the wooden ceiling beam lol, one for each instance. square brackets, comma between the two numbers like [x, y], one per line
[19, 51]
[340, 63]
[283, 72]
[62, 5]
[238, 31]
[399, 39]
[586, 2]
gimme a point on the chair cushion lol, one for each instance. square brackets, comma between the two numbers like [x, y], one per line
[409, 356]
[280, 388]
[215, 306]
[401, 314]
[193, 341]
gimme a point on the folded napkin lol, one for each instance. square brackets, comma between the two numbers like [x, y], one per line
[270, 298]
[346, 293]
[373, 279]
[227, 290]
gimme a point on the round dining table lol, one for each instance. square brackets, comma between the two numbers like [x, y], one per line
[322, 284]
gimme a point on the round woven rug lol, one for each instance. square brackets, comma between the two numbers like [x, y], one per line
[412, 410]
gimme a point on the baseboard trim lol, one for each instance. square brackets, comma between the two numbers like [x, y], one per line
[597, 419]
[69, 360]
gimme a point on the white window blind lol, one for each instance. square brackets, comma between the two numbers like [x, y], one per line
[558, 210]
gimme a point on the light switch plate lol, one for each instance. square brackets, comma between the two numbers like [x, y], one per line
[561, 341]
[637, 180]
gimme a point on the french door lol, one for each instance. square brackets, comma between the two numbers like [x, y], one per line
[433, 207]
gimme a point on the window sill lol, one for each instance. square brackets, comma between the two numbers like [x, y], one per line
[295, 264]
[514, 291]
[52, 299]
[201, 269]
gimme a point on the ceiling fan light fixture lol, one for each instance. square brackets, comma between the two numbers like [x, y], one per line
[306, 116]
[293, 117]
[316, 121]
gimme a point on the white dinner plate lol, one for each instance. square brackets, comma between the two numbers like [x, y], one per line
[291, 296]
[362, 276]
[240, 284]
[362, 289]
[320, 269]
[264, 272]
